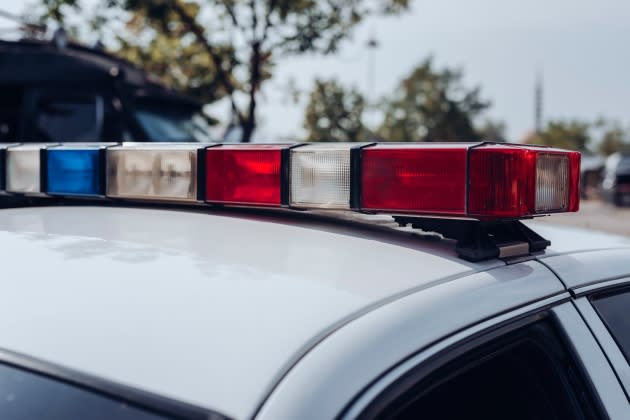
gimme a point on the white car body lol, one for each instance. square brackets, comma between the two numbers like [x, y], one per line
[275, 315]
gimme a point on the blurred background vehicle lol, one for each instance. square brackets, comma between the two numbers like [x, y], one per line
[616, 182]
[62, 91]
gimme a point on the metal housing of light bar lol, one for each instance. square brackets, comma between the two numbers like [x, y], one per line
[3, 174]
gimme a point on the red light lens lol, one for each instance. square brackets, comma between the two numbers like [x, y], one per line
[420, 179]
[574, 181]
[248, 175]
[507, 181]
[502, 181]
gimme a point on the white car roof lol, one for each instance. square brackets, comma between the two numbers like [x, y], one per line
[208, 308]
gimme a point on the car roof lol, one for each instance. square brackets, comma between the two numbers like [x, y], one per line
[195, 305]
[21, 63]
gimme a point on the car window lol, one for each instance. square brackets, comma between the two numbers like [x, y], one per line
[26, 395]
[614, 309]
[10, 105]
[70, 119]
[170, 124]
[524, 375]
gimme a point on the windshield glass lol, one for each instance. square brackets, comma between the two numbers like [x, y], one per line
[166, 123]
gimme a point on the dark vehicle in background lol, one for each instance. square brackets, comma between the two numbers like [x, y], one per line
[60, 91]
[616, 183]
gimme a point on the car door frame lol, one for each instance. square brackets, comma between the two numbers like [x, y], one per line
[600, 379]
[620, 364]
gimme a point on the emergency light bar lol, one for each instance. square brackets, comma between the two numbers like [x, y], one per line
[483, 181]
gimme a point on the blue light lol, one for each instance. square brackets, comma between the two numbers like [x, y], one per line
[74, 172]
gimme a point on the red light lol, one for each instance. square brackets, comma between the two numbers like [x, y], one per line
[421, 179]
[574, 187]
[504, 181]
[244, 174]
[484, 181]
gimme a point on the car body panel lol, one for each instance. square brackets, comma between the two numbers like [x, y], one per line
[566, 239]
[244, 300]
[606, 341]
[368, 347]
[581, 269]
[236, 300]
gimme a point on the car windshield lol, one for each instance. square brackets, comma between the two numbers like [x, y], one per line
[166, 123]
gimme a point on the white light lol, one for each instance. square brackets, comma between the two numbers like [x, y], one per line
[23, 169]
[552, 182]
[320, 176]
[153, 172]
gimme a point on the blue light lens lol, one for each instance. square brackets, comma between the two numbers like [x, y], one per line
[74, 172]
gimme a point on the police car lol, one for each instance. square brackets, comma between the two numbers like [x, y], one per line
[318, 281]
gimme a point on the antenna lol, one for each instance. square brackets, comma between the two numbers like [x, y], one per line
[372, 44]
[538, 103]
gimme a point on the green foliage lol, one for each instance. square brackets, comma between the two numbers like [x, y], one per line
[613, 138]
[492, 131]
[334, 113]
[432, 105]
[216, 48]
[571, 135]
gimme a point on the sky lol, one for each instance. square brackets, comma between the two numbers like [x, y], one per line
[579, 46]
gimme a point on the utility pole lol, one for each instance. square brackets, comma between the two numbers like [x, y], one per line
[538, 103]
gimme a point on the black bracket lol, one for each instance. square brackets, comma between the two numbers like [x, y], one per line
[482, 240]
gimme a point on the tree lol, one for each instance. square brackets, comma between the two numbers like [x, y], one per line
[334, 113]
[492, 131]
[227, 48]
[432, 105]
[613, 138]
[572, 135]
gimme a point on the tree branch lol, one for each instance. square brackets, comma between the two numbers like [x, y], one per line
[268, 24]
[217, 61]
[230, 11]
[255, 76]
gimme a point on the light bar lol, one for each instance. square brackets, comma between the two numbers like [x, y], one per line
[320, 175]
[484, 181]
[23, 164]
[245, 174]
[76, 169]
[158, 171]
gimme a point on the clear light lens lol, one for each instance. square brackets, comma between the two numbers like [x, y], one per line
[552, 182]
[320, 176]
[153, 172]
[23, 169]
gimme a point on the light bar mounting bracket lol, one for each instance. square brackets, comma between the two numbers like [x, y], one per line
[480, 240]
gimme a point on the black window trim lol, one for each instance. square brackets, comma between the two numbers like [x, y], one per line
[421, 371]
[148, 401]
